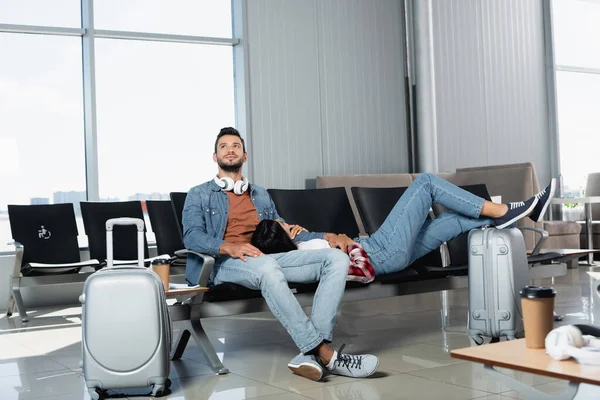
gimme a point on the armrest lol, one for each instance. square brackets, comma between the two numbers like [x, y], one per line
[19, 250]
[544, 235]
[208, 263]
[444, 254]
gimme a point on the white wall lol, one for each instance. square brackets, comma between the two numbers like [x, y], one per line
[326, 81]
[491, 84]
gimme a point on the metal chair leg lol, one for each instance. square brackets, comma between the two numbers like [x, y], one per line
[16, 295]
[196, 329]
[445, 311]
[181, 343]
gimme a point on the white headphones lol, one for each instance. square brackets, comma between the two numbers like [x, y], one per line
[569, 341]
[227, 184]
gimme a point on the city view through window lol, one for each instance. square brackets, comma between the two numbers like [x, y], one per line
[159, 105]
[577, 55]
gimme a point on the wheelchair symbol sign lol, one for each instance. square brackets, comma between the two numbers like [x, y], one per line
[44, 233]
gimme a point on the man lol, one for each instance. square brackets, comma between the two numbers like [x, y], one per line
[219, 218]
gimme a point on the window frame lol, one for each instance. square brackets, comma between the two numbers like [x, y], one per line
[88, 35]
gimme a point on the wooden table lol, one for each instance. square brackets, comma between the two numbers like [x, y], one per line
[584, 380]
[179, 292]
[587, 202]
[573, 255]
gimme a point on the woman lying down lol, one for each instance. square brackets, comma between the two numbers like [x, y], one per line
[406, 234]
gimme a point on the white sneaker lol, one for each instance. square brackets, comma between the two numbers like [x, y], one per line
[306, 366]
[354, 366]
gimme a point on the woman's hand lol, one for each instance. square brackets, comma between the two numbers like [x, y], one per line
[295, 230]
[292, 230]
[340, 241]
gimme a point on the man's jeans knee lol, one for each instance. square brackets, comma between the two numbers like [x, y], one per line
[271, 273]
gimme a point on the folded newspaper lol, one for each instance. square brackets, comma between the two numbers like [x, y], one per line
[181, 286]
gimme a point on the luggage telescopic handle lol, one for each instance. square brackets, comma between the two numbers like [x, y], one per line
[139, 223]
[125, 221]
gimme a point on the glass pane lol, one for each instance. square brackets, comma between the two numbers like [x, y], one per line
[181, 17]
[63, 13]
[578, 122]
[41, 122]
[160, 107]
[576, 32]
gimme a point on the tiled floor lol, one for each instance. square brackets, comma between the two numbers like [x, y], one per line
[41, 359]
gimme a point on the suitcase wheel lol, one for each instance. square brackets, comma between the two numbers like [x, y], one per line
[478, 339]
[159, 390]
[495, 339]
[97, 394]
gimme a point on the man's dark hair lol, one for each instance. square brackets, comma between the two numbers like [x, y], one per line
[229, 131]
[270, 238]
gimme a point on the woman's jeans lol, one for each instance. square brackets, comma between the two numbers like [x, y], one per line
[271, 273]
[407, 235]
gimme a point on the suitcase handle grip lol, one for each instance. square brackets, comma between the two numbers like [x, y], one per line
[139, 223]
[125, 221]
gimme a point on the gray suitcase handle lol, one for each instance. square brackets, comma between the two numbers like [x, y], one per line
[110, 224]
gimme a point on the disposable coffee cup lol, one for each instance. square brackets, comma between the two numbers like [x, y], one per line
[537, 303]
[162, 267]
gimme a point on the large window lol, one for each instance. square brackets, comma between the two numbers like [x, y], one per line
[58, 13]
[160, 75]
[159, 106]
[577, 55]
[182, 17]
[41, 121]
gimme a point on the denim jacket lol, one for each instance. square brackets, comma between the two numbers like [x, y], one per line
[205, 219]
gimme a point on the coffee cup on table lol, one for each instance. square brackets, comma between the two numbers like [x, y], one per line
[162, 267]
[537, 303]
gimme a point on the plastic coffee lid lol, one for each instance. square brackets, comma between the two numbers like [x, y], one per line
[159, 261]
[538, 292]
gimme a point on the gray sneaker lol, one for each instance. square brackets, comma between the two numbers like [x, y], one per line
[354, 366]
[306, 366]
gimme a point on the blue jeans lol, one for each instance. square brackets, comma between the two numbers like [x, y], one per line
[407, 235]
[271, 273]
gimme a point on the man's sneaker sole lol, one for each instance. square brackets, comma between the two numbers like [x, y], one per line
[552, 191]
[307, 370]
[518, 217]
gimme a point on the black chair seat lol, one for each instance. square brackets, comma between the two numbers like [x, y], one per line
[451, 270]
[544, 258]
[48, 233]
[318, 210]
[230, 291]
[95, 215]
[407, 274]
[40, 269]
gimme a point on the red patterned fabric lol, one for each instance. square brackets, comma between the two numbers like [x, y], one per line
[360, 269]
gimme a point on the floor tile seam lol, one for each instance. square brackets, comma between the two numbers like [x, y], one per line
[533, 386]
[38, 328]
[262, 383]
[347, 382]
[457, 362]
[32, 375]
[453, 384]
[436, 345]
[66, 366]
[268, 395]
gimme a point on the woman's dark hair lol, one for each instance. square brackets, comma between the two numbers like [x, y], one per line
[270, 237]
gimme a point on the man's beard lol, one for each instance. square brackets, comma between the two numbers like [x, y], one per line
[230, 167]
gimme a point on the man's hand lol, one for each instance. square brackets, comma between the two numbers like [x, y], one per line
[295, 230]
[239, 250]
[340, 241]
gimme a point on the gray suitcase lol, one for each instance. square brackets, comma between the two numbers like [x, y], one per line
[498, 270]
[126, 329]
